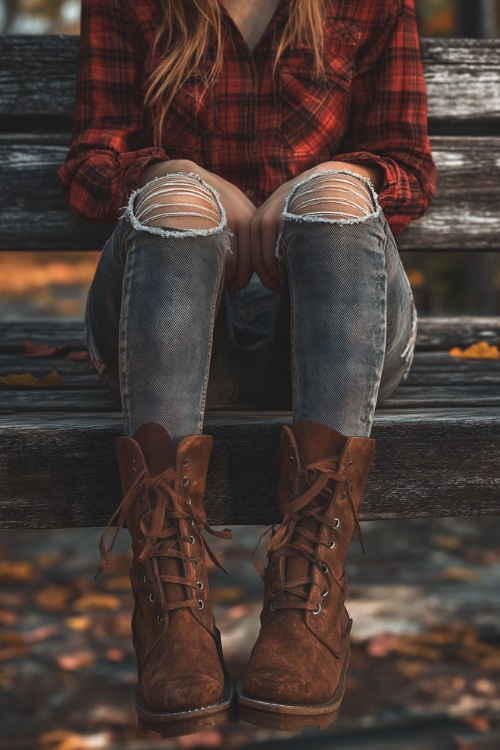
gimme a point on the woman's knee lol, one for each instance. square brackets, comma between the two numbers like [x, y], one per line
[333, 195]
[177, 201]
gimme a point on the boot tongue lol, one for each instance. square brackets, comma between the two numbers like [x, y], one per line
[314, 441]
[157, 446]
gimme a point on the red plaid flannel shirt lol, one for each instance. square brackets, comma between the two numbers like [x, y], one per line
[255, 134]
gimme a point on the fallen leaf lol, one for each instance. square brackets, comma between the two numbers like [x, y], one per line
[53, 598]
[41, 633]
[97, 601]
[16, 572]
[480, 350]
[78, 623]
[460, 575]
[28, 380]
[115, 654]
[34, 348]
[76, 661]
[81, 355]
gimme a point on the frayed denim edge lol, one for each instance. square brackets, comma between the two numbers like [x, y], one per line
[324, 219]
[166, 231]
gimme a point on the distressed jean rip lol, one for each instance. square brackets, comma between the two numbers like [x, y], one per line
[336, 196]
[183, 195]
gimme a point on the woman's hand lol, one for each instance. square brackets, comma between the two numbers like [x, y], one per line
[239, 211]
[267, 221]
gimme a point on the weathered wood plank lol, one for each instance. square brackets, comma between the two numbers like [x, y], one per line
[464, 215]
[37, 77]
[424, 465]
[436, 334]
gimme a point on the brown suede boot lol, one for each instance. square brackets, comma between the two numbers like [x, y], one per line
[296, 671]
[183, 685]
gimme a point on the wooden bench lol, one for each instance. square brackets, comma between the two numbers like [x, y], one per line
[438, 436]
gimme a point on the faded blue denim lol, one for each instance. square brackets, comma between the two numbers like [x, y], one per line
[168, 339]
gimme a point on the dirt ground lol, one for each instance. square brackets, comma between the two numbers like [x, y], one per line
[424, 671]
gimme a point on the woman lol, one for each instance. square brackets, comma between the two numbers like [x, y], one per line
[285, 139]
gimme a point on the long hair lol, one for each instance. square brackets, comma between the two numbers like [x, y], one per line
[188, 29]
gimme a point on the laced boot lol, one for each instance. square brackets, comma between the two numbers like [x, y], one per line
[296, 671]
[183, 685]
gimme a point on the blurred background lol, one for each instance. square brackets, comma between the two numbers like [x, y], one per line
[425, 665]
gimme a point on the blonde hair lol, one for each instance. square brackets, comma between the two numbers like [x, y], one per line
[189, 27]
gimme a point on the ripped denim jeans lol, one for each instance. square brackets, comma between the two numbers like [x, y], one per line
[168, 339]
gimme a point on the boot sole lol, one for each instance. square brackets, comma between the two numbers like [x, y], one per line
[289, 718]
[177, 723]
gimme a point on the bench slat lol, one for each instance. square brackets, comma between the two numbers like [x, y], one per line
[463, 216]
[37, 78]
[432, 463]
[434, 333]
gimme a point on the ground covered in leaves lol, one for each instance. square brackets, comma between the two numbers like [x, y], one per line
[425, 665]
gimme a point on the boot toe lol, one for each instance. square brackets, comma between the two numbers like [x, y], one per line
[184, 693]
[284, 685]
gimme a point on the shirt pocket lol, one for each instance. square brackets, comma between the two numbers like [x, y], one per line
[314, 115]
[192, 115]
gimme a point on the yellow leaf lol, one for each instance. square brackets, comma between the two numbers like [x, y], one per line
[28, 380]
[481, 350]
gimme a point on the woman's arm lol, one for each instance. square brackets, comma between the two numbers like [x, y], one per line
[105, 160]
[388, 121]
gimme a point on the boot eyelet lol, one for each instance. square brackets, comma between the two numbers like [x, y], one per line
[199, 585]
[331, 543]
[290, 480]
[140, 540]
[324, 568]
[188, 500]
[274, 564]
[290, 495]
[191, 539]
[185, 461]
[273, 593]
[159, 618]
[324, 593]
[144, 579]
[134, 470]
[336, 523]
[317, 610]
[185, 481]
[195, 563]
[343, 496]
[152, 598]
[291, 458]
[139, 486]
[201, 603]
[272, 606]
[349, 463]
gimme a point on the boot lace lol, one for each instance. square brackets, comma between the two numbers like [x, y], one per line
[161, 540]
[292, 540]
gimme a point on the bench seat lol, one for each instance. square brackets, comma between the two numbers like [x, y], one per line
[437, 453]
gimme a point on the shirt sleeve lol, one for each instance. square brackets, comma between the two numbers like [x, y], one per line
[105, 158]
[388, 120]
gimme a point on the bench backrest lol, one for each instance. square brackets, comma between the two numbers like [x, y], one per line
[37, 89]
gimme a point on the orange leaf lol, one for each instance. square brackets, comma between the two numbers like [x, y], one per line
[480, 350]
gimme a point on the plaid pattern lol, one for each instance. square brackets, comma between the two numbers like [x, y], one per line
[254, 132]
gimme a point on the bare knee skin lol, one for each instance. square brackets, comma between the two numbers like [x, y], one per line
[179, 202]
[334, 196]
